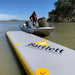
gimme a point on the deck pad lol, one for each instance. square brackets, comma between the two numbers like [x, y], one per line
[40, 56]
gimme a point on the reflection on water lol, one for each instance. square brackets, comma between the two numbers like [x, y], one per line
[63, 34]
[8, 63]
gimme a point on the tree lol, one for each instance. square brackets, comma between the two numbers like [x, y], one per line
[63, 9]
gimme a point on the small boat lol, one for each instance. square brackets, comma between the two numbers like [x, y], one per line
[37, 30]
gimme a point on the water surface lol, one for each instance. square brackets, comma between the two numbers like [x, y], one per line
[9, 64]
[63, 34]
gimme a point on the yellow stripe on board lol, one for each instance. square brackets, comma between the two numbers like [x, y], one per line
[18, 43]
[22, 60]
[45, 40]
[10, 35]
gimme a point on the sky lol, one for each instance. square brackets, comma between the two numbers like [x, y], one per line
[22, 9]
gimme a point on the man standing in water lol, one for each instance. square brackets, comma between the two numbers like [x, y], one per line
[33, 18]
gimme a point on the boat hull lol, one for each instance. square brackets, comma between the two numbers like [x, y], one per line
[43, 31]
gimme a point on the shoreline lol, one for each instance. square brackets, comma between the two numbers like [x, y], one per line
[13, 20]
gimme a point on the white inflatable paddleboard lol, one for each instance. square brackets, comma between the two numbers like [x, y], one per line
[39, 56]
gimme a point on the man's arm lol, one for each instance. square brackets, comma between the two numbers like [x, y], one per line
[31, 17]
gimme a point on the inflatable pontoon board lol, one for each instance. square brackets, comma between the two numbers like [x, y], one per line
[40, 56]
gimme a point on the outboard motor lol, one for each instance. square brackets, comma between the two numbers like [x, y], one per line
[27, 24]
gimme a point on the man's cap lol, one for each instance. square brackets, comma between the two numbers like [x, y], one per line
[34, 11]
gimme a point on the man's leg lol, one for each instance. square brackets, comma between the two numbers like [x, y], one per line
[33, 23]
[36, 24]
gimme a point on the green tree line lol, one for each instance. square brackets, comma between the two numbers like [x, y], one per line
[64, 11]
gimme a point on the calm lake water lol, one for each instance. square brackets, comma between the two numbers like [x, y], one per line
[63, 34]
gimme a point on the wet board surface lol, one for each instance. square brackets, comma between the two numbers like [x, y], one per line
[40, 56]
